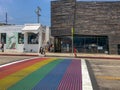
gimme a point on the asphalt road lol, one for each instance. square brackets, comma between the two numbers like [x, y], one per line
[7, 59]
[42, 74]
[105, 74]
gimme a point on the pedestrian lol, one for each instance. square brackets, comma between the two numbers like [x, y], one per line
[40, 51]
[43, 51]
[2, 47]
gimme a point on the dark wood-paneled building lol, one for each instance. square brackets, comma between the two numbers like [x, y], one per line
[96, 26]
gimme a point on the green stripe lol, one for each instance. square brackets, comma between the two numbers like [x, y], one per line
[31, 80]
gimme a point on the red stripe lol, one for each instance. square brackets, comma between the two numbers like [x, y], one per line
[7, 70]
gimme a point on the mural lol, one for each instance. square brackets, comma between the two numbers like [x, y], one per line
[12, 40]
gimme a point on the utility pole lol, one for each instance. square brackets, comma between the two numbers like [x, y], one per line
[73, 28]
[38, 14]
[6, 18]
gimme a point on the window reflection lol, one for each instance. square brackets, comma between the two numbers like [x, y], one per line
[91, 44]
[20, 38]
[32, 38]
[83, 44]
[3, 38]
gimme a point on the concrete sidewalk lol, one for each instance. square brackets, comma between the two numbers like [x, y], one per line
[84, 55]
[18, 54]
[71, 55]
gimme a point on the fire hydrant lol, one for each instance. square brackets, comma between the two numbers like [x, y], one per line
[75, 52]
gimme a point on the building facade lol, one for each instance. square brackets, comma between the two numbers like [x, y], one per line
[24, 38]
[96, 26]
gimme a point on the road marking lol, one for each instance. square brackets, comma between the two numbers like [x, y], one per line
[108, 77]
[32, 79]
[15, 77]
[14, 62]
[106, 66]
[72, 79]
[86, 81]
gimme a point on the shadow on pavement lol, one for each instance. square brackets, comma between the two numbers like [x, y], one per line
[92, 76]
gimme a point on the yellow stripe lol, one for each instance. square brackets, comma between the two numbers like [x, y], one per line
[108, 77]
[13, 78]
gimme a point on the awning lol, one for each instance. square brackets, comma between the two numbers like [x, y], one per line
[34, 28]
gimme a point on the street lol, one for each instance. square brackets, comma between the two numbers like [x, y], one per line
[42, 74]
[104, 73]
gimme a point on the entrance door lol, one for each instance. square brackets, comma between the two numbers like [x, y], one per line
[119, 49]
[57, 44]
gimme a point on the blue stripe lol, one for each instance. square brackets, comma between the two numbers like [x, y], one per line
[52, 80]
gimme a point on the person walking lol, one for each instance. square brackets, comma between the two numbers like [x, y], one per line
[42, 51]
[2, 47]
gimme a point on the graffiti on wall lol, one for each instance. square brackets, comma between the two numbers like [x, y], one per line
[12, 40]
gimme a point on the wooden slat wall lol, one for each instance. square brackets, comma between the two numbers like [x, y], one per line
[92, 18]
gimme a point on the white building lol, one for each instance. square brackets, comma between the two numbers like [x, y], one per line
[24, 38]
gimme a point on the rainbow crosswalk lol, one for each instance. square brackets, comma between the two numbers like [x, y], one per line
[42, 74]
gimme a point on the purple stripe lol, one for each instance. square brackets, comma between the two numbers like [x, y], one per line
[72, 80]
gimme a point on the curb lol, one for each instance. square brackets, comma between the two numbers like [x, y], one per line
[60, 55]
[18, 55]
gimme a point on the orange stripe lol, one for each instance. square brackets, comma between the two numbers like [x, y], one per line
[17, 76]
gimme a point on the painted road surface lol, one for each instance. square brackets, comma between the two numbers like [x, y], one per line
[42, 74]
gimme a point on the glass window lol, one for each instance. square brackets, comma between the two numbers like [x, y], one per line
[32, 38]
[84, 44]
[91, 44]
[20, 38]
[66, 44]
[3, 38]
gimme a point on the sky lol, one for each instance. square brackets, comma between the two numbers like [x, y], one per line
[23, 11]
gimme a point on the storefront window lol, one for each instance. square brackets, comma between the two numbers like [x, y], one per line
[63, 44]
[32, 38]
[66, 44]
[83, 44]
[3, 38]
[20, 38]
[91, 44]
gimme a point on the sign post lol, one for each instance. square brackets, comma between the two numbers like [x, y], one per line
[72, 31]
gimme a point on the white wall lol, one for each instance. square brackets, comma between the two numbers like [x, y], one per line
[47, 34]
[28, 47]
[0, 37]
[33, 47]
[20, 47]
